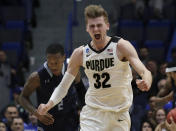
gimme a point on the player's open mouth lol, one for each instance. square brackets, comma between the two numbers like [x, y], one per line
[97, 36]
[54, 71]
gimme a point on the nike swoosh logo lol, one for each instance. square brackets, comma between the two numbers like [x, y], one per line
[119, 120]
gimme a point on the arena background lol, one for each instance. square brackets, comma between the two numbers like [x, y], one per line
[29, 26]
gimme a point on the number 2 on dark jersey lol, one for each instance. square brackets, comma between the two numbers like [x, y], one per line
[98, 77]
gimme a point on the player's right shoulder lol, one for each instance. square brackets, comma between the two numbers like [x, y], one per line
[33, 81]
[79, 50]
[77, 56]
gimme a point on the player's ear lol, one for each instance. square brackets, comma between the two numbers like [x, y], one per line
[87, 28]
[108, 25]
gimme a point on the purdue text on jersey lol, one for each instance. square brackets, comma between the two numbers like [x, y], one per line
[101, 64]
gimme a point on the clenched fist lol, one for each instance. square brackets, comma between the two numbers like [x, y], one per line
[142, 85]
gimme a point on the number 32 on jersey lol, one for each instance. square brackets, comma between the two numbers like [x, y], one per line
[101, 80]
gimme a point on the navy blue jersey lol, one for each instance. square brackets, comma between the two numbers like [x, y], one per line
[48, 82]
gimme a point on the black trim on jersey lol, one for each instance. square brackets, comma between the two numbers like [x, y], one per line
[113, 39]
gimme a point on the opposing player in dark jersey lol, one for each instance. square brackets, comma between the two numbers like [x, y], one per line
[64, 116]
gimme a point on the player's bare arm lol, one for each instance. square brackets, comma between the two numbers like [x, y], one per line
[126, 51]
[76, 61]
[30, 86]
[61, 90]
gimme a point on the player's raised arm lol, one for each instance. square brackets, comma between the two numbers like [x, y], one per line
[62, 89]
[128, 52]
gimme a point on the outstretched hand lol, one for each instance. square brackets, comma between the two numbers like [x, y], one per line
[142, 85]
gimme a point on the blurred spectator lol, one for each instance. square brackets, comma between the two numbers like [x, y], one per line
[10, 112]
[157, 116]
[7, 71]
[160, 116]
[146, 126]
[2, 126]
[161, 84]
[17, 124]
[139, 9]
[150, 114]
[5, 78]
[161, 71]
[144, 54]
[155, 5]
[165, 126]
[32, 126]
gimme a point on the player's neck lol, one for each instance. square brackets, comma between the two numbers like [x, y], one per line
[98, 45]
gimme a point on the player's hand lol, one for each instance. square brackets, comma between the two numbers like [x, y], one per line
[42, 109]
[46, 119]
[142, 85]
[171, 126]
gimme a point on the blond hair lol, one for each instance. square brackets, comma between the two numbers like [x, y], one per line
[94, 11]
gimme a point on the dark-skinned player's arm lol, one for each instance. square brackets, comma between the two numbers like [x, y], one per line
[69, 76]
[32, 83]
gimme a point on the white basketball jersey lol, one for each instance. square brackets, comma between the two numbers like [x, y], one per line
[109, 78]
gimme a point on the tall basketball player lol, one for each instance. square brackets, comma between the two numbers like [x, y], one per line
[106, 61]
